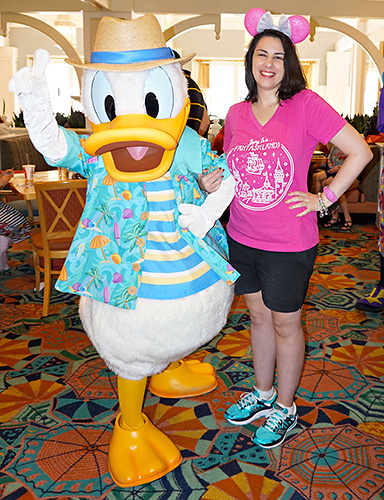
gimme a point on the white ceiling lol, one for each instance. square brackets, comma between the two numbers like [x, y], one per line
[330, 8]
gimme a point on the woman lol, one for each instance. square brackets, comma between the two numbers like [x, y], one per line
[323, 178]
[273, 233]
[14, 227]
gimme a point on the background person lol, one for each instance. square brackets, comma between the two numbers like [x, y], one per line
[198, 118]
[14, 227]
[375, 300]
[218, 142]
[323, 178]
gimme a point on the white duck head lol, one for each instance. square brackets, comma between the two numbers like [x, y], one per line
[136, 99]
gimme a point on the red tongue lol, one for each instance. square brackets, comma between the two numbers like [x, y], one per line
[137, 152]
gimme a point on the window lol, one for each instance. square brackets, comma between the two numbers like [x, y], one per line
[372, 89]
[223, 84]
[62, 83]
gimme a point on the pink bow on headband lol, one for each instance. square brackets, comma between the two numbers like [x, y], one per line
[297, 28]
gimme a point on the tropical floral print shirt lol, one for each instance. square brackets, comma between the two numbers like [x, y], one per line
[106, 255]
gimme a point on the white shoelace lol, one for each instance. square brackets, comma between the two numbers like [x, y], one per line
[246, 399]
[275, 420]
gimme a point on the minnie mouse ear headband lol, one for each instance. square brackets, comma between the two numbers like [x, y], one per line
[297, 28]
[129, 45]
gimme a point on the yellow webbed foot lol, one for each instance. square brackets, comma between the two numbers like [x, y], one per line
[140, 456]
[184, 379]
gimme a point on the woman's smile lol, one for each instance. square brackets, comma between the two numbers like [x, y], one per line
[267, 74]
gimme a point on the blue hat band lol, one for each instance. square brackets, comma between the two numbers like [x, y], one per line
[132, 56]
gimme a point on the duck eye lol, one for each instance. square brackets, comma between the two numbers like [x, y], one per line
[102, 98]
[158, 94]
[151, 104]
[109, 106]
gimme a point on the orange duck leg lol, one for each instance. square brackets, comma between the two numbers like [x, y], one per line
[138, 452]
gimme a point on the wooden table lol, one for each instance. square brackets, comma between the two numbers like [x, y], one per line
[26, 191]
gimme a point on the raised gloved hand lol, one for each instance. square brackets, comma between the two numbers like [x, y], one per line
[30, 86]
[200, 219]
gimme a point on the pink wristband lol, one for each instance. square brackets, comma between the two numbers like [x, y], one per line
[329, 194]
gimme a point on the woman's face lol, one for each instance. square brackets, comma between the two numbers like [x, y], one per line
[268, 63]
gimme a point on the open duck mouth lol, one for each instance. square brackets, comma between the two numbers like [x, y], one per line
[129, 156]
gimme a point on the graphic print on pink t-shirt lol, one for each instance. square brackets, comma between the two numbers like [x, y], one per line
[263, 170]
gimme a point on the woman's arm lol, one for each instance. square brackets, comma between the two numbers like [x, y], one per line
[358, 155]
[5, 177]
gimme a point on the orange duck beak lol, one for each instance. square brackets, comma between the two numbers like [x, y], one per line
[137, 147]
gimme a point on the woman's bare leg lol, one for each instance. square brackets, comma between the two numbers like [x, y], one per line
[317, 180]
[276, 337]
[263, 341]
[290, 351]
[344, 206]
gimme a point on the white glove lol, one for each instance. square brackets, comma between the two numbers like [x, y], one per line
[200, 219]
[30, 86]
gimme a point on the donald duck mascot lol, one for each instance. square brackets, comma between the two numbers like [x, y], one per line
[149, 259]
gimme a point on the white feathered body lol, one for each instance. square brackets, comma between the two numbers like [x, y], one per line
[142, 342]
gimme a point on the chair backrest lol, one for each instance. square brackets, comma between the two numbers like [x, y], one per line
[14, 152]
[60, 205]
[5, 192]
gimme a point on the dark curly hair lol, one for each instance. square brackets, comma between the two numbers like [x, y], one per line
[293, 81]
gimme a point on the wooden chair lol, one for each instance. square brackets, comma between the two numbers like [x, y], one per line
[60, 206]
[4, 193]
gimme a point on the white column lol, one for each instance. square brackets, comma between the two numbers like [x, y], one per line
[338, 71]
[8, 66]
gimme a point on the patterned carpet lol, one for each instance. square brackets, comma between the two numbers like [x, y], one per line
[58, 401]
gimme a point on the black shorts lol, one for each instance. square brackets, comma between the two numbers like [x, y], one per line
[282, 277]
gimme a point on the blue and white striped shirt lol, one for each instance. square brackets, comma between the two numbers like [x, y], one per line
[171, 268]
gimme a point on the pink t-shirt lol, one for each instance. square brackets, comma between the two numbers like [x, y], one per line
[270, 161]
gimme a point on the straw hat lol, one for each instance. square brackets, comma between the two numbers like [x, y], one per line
[129, 45]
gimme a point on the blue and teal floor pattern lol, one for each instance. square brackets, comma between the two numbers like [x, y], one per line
[58, 400]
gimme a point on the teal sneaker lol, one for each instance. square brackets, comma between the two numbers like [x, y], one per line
[273, 431]
[249, 407]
